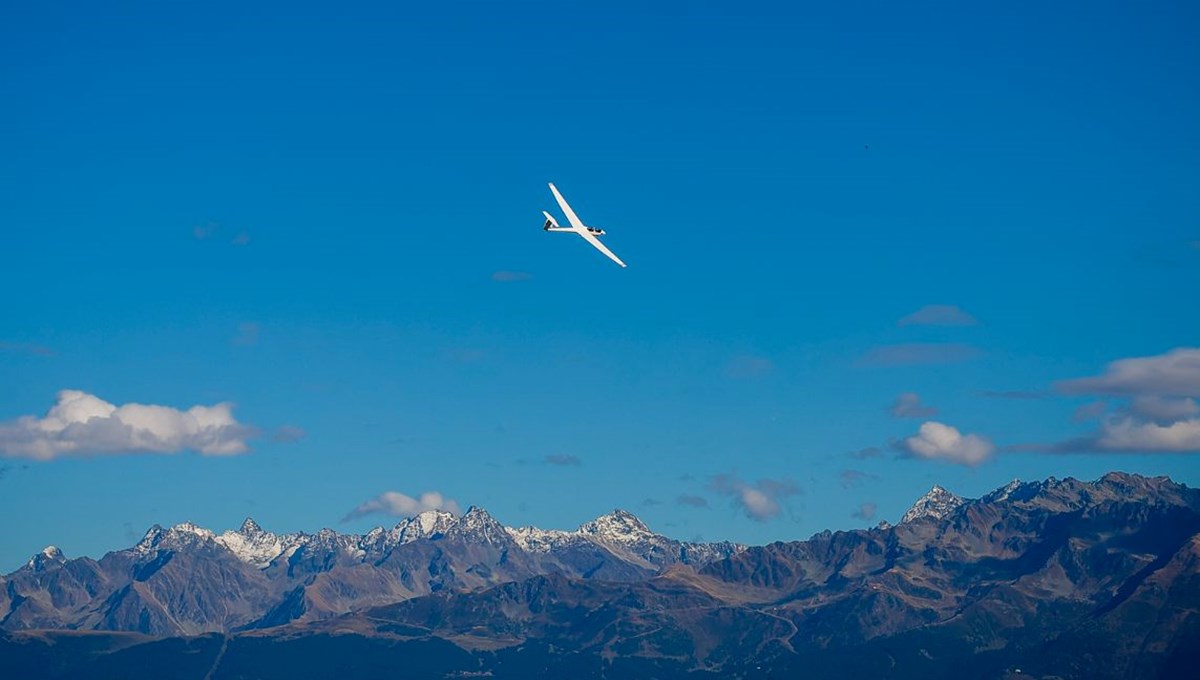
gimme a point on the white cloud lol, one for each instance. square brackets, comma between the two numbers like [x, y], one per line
[935, 441]
[1149, 424]
[1176, 373]
[908, 405]
[760, 501]
[1125, 434]
[939, 315]
[81, 423]
[400, 505]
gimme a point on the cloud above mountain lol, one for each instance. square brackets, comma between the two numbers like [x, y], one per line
[1176, 373]
[1156, 409]
[401, 505]
[760, 501]
[937, 441]
[83, 424]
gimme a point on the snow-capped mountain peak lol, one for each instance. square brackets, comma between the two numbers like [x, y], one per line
[49, 555]
[937, 504]
[190, 528]
[477, 524]
[251, 544]
[533, 539]
[428, 524]
[250, 527]
[618, 526]
[1003, 493]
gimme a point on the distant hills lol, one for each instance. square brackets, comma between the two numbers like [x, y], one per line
[1059, 578]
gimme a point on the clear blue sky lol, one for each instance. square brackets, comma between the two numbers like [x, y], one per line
[302, 209]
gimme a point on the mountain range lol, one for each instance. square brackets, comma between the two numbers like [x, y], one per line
[1057, 578]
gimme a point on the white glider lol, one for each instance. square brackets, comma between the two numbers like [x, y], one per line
[589, 234]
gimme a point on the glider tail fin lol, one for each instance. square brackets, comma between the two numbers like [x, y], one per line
[551, 223]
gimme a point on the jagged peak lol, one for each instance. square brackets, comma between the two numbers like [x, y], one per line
[427, 524]
[250, 527]
[478, 523]
[618, 525]
[476, 516]
[49, 555]
[151, 537]
[1003, 493]
[937, 504]
[192, 528]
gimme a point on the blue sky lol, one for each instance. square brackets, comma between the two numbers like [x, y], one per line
[304, 212]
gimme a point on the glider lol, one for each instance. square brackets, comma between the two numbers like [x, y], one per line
[589, 234]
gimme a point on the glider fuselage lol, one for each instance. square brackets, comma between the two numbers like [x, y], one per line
[592, 230]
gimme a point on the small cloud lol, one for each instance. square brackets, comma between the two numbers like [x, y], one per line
[241, 239]
[908, 405]
[852, 478]
[400, 505]
[935, 441]
[504, 276]
[288, 434]
[80, 423]
[205, 231]
[866, 512]
[247, 334]
[939, 315]
[26, 348]
[869, 452]
[563, 460]
[651, 502]
[1089, 411]
[1176, 373]
[761, 501]
[692, 501]
[1014, 394]
[748, 366]
[918, 353]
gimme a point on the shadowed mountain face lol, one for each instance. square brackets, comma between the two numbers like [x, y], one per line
[1056, 579]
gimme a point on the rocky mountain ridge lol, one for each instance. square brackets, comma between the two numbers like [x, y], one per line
[176, 580]
[1052, 579]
